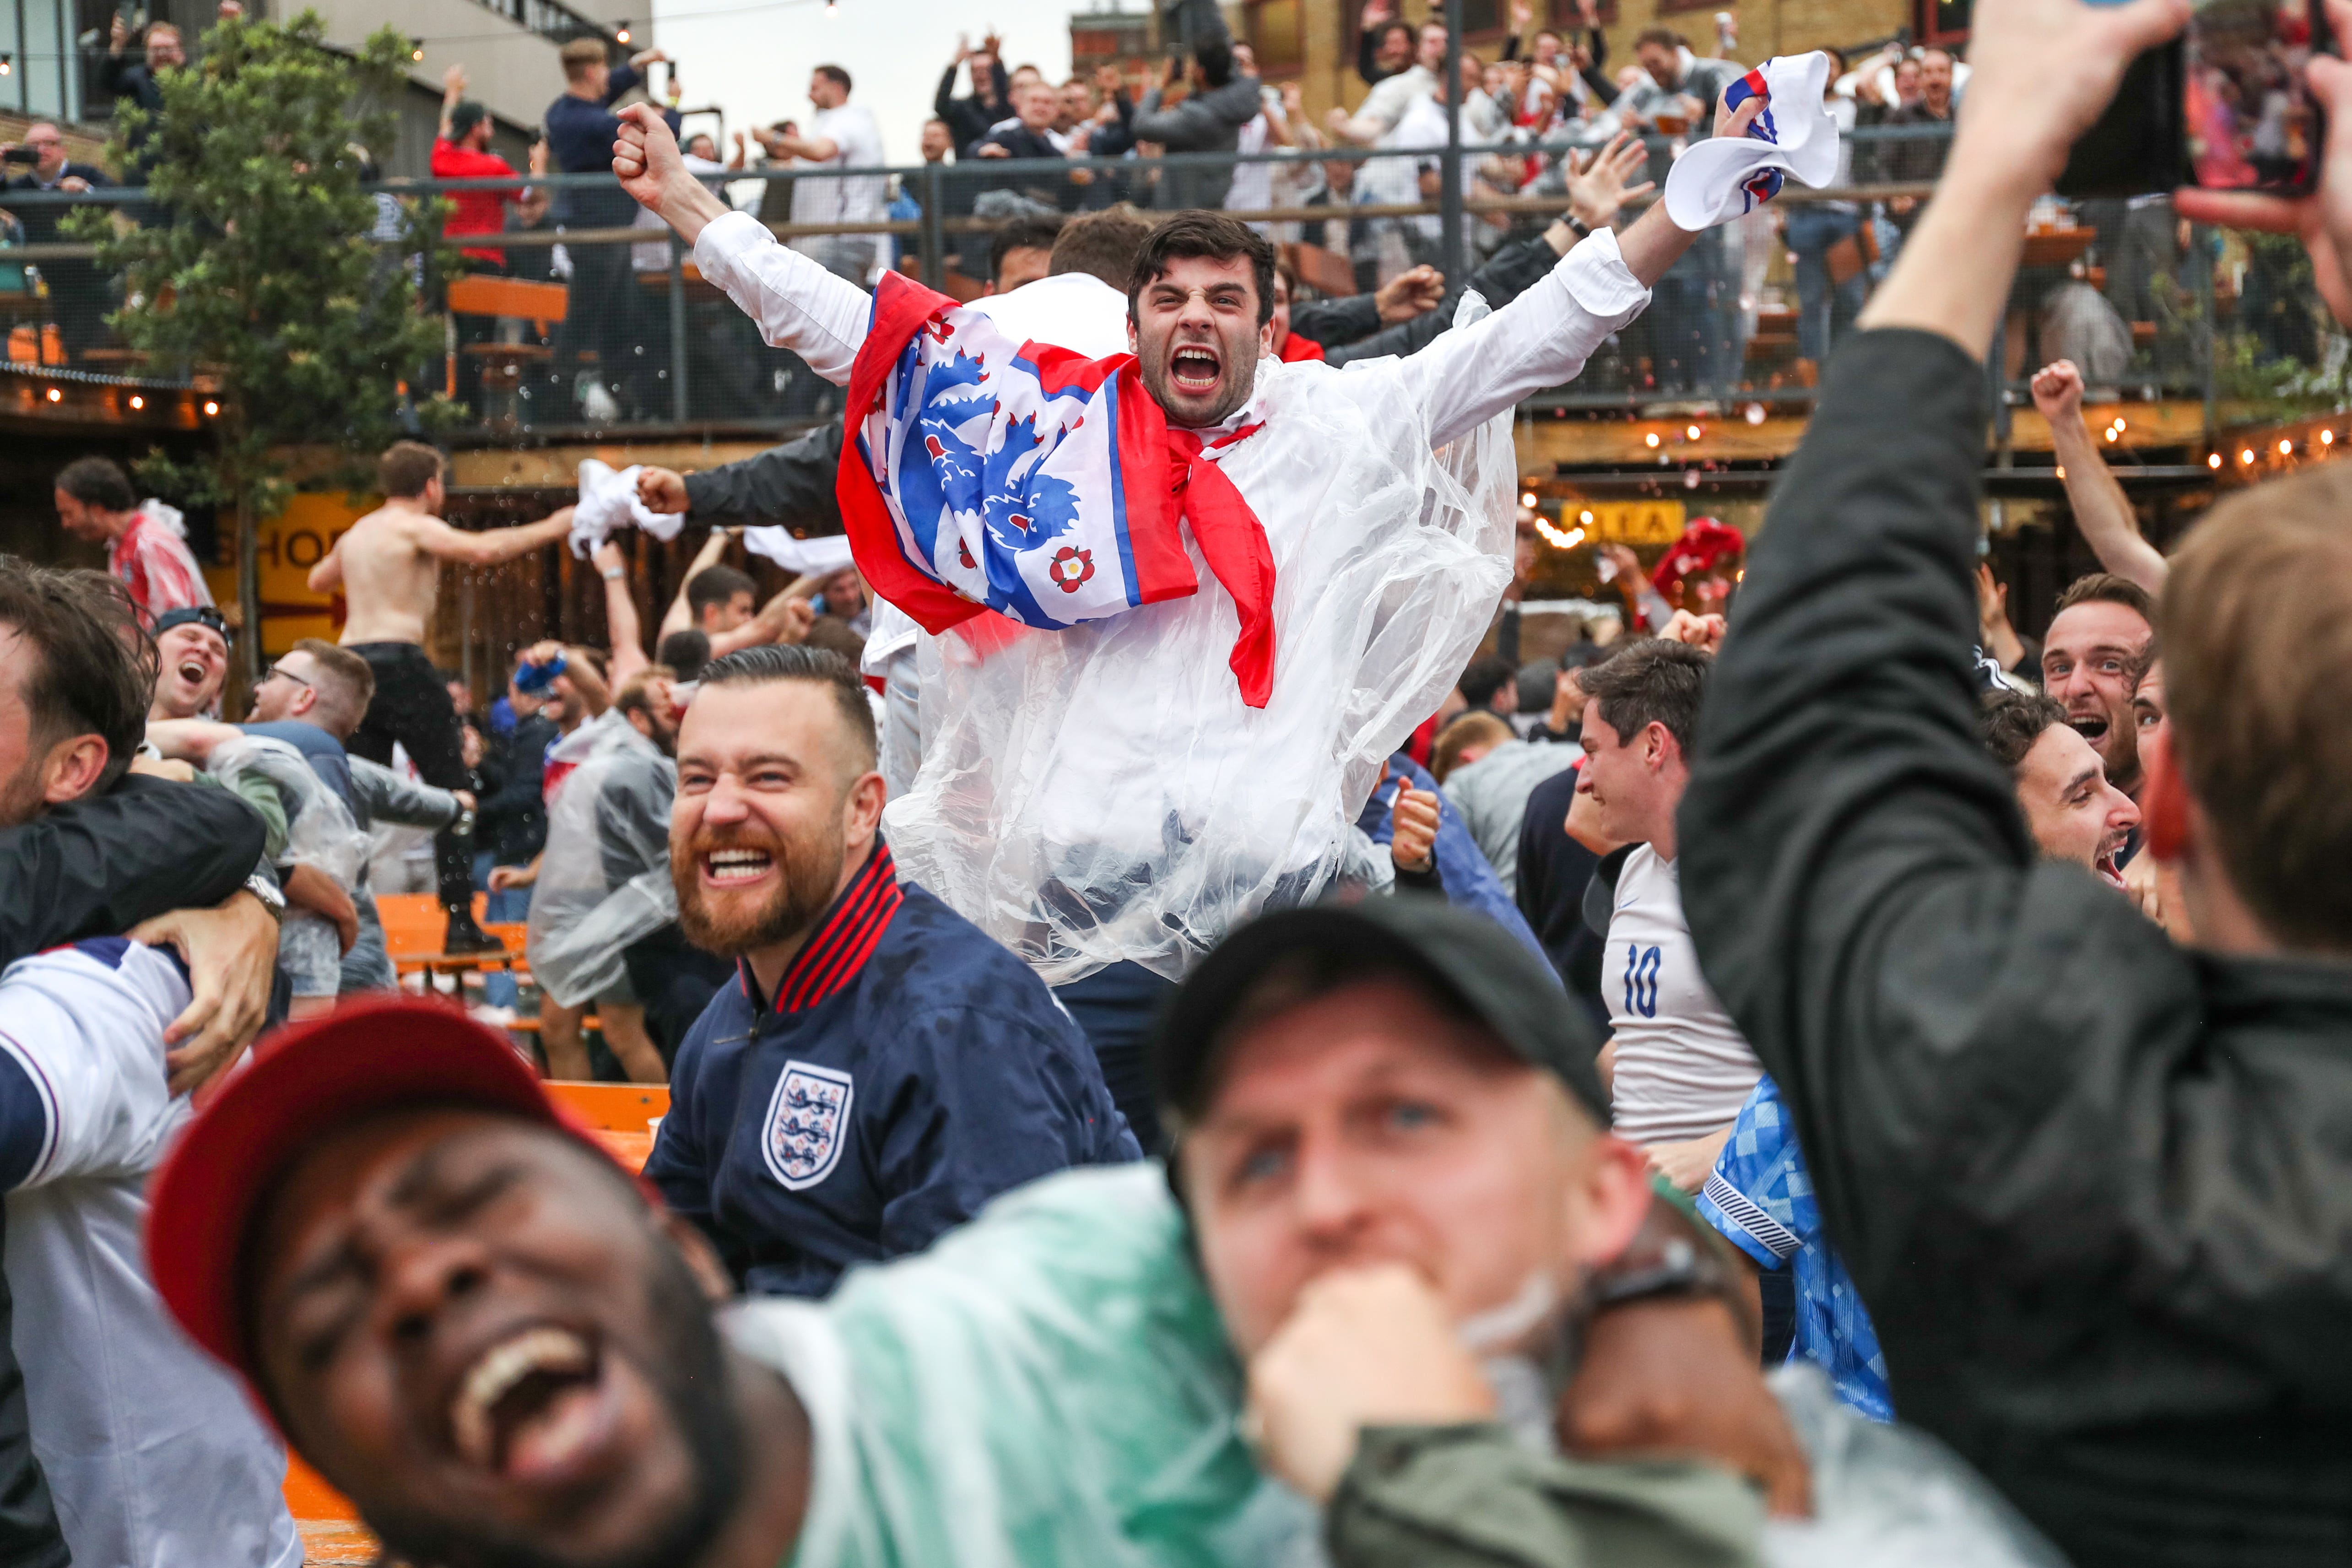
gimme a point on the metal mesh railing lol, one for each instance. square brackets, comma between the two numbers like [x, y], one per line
[584, 321]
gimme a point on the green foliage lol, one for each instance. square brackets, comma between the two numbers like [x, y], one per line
[255, 263]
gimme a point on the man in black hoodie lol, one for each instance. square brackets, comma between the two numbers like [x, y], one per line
[2095, 1189]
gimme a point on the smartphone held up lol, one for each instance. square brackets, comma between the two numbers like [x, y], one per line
[2224, 107]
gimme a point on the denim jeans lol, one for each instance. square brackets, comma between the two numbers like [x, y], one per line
[1824, 311]
[511, 904]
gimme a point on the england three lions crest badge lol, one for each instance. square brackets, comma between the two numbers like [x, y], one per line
[808, 1121]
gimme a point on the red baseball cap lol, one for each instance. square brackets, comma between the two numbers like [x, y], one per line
[306, 1081]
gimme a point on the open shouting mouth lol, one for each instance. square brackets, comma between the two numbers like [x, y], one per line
[534, 1406]
[1196, 368]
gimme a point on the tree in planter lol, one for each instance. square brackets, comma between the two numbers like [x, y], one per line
[260, 261]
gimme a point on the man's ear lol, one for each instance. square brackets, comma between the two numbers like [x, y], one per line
[2164, 802]
[861, 807]
[73, 768]
[1130, 330]
[701, 1259]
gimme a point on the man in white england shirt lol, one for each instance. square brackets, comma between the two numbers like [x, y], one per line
[1334, 468]
[153, 1453]
[840, 135]
[1679, 1069]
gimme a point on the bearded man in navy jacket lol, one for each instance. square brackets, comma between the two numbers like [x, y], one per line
[880, 1068]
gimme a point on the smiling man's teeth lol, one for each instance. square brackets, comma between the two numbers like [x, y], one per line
[494, 1375]
[735, 865]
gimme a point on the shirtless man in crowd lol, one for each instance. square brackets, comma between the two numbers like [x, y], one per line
[388, 568]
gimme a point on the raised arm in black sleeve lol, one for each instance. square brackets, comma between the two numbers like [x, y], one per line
[2096, 1191]
[1508, 274]
[99, 866]
[1331, 323]
[790, 483]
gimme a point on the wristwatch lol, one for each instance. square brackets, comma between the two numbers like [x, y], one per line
[1669, 1258]
[1581, 229]
[261, 886]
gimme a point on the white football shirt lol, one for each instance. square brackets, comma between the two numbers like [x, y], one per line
[1683, 1067]
[153, 1454]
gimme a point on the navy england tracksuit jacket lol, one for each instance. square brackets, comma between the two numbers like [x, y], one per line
[908, 1069]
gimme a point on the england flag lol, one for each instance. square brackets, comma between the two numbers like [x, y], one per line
[989, 473]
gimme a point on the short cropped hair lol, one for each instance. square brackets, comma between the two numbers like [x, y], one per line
[100, 482]
[813, 666]
[93, 666]
[1475, 728]
[407, 468]
[1484, 676]
[685, 651]
[834, 74]
[2257, 628]
[1212, 236]
[2106, 588]
[1653, 681]
[716, 586]
[1102, 244]
[347, 688]
[2009, 722]
[581, 54]
[1666, 37]
[1020, 234]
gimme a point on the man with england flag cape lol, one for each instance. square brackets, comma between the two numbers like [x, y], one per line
[1181, 602]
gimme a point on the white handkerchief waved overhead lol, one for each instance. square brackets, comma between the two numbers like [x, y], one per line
[609, 500]
[1724, 177]
[828, 553]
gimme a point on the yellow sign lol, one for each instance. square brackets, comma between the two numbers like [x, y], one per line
[1627, 521]
[287, 546]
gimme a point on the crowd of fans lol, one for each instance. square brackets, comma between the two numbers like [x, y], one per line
[1792, 1020]
[1754, 306]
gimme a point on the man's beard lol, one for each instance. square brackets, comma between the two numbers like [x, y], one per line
[1237, 375]
[686, 1366]
[20, 797]
[807, 868]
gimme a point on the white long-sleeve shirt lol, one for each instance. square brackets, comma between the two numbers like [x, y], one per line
[1101, 792]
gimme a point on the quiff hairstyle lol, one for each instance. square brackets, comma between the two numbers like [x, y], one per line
[810, 667]
[1210, 235]
[407, 468]
[2106, 588]
[1650, 682]
[2257, 629]
[346, 688]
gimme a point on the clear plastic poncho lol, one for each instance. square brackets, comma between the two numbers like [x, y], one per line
[321, 832]
[1101, 794]
[604, 879]
[1050, 1386]
[319, 828]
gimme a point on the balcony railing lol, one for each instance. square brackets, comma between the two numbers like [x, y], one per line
[595, 327]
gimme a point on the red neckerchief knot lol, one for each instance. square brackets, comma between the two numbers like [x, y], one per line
[1233, 541]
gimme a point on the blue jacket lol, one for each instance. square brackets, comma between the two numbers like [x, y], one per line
[909, 1070]
[1470, 879]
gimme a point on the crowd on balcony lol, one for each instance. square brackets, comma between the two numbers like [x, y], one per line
[1156, 1034]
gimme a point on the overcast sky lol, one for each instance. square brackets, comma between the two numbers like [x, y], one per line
[753, 60]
